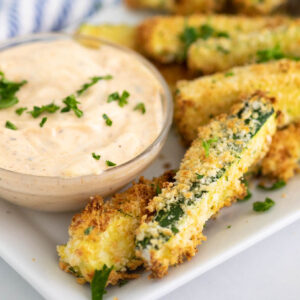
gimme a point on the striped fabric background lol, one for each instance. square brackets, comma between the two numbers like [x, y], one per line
[19, 17]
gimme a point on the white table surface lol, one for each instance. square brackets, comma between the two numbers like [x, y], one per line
[268, 270]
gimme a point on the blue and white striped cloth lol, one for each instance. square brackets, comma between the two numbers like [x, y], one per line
[19, 17]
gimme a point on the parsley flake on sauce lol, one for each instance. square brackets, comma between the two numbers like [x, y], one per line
[110, 163]
[44, 120]
[20, 110]
[140, 106]
[93, 81]
[38, 110]
[96, 156]
[71, 104]
[10, 125]
[8, 90]
[263, 206]
[122, 99]
[99, 281]
[108, 121]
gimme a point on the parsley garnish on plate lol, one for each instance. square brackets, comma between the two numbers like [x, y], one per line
[140, 106]
[20, 110]
[277, 185]
[71, 104]
[8, 90]
[108, 121]
[110, 163]
[93, 81]
[96, 156]
[229, 74]
[38, 110]
[44, 120]
[99, 281]
[263, 206]
[10, 125]
[207, 144]
[122, 99]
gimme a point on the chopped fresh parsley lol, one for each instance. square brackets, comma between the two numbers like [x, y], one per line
[10, 125]
[263, 206]
[122, 99]
[229, 74]
[20, 110]
[37, 111]
[192, 34]
[273, 54]
[95, 156]
[206, 145]
[229, 226]
[140, 106]
[108, 121]
[93, 81]
[158, 190]
[99, 282]
[277, 185]
[88, 230]
[44, 120]
[8, 90]
[110, 163]
[221, 49]
[71, 104]
[199, 176]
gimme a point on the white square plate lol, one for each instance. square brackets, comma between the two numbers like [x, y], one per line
[28, 239]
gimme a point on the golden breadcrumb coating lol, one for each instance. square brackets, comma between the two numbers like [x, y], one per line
[198, 101]
[283, 158]
[161, 38]
[220, 54]
[104, 233]
[209, 178]
[182, 7]
[258, 7]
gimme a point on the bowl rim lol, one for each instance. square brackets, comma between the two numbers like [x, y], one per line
[166, 94]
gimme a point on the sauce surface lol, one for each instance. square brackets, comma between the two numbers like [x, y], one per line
[64, 145]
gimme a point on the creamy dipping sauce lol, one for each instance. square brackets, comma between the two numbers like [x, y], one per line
[65, 144]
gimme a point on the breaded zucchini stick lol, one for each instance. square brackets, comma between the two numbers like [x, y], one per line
[104, 233]
[255, 7]
[124, 35]
[217, 55]
[283, 158]
[182, 7]
[167, 39]
[198, 101]
[208, 178]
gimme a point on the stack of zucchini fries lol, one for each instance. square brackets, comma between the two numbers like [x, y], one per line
[248, 70]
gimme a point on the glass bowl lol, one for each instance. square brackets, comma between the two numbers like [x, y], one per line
[65, 194]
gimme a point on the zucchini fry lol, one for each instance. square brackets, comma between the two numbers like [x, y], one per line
[124, 35]
[182, 7]
[282, 161]
[258, 7]
[167, 39]
[208, 179]
[279, 79]
[104, 232]
[217, 55]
